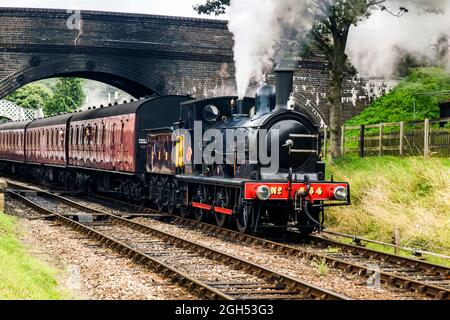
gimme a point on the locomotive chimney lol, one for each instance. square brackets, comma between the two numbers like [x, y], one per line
[284, 85]
[238, 109]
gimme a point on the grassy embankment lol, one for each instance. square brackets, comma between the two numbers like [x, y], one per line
[21, 275]
[408, 194]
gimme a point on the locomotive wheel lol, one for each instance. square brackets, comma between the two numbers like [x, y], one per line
[172, 186]
[201, 197]
[185, 213]
[243, 219]
[223, 201]
[159, 202]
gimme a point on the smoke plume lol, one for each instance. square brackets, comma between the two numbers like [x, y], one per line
[258, 27]
[376, 45]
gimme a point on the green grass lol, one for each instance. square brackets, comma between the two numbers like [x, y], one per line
[22, 277]
[388, 193]
[321, 266]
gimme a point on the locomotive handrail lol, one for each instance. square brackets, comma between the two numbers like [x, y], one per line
[295, 135]
[303, 151]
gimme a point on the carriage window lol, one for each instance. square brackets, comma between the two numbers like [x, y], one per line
[71, 135]
[113, 132]
[121, 132]
[103, 134]
[82, 134]
[96, 134]
[89, 135]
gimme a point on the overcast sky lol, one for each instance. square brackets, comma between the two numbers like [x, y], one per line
[163, 7]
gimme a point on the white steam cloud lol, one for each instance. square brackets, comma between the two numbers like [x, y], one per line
[376, 45]
[258, 27]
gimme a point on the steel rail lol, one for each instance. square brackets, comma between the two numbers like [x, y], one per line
[357, 240]
[194, 286]
[304, 289]
[386, 278]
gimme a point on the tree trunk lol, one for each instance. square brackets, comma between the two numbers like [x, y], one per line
[334, 149]
[337, 75]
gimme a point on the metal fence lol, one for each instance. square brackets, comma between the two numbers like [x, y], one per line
[426, 138]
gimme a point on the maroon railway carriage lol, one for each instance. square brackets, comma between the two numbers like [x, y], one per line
[103, 148]
[46, 140]
[114, 138]
[12, 144]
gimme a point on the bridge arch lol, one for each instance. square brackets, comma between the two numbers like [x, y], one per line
[126, 75]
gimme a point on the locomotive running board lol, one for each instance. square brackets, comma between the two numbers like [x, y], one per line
[208, 207]
[211, 180]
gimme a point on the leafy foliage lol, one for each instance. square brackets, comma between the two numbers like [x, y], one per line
[68, 96]
[34, 96]
[398, 104]
[64, 95]
[216, 7]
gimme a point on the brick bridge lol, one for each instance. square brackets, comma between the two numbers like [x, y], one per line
[140, 54]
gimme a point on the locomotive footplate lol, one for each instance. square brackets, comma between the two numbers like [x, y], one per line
[212, 180]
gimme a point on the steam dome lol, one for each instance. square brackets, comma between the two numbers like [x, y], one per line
[265, 99]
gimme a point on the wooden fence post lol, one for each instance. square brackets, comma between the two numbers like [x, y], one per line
[380, 152]
[361, 141]
[3, 186]
[402, 135]
[426, 138]
[397, 241]
[342, 140]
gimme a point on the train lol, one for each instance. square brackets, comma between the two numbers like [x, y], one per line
[247, 163]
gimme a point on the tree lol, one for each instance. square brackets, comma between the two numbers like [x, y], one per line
[216, 7]
[329, 34]
[34, 96]
[68, 96]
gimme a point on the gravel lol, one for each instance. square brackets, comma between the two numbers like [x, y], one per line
[314, 272]
[303, 269]
[87, 270]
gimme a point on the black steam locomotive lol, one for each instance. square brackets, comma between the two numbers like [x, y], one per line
[252, 191]
[249, 162]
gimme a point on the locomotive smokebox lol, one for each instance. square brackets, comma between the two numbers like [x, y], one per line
[284, 85]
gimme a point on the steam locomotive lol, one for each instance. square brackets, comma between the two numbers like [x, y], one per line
[252, 162]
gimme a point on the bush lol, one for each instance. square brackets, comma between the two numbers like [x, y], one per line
[397, 105]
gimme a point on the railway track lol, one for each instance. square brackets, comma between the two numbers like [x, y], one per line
[430, 280]
[205, 272]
